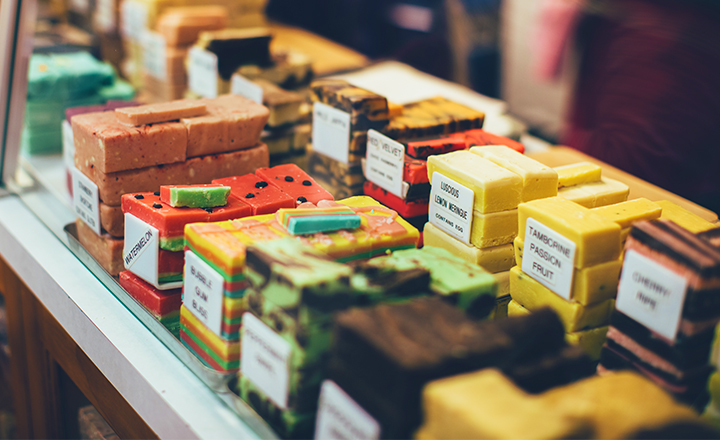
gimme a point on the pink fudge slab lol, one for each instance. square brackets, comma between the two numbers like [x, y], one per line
[162, 112]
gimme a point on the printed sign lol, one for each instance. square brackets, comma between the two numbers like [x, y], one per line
[133, 19]
[244, 87]
[203, 292]
[203, 72]
[340, 417]
[265, 359]
[451, 207]
[384, 166]
[549, 258]
[331, 132]
[651, 294]
[155, 54]
[86, 202]
[141, 251]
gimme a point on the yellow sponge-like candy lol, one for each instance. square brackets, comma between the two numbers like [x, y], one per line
[627, 213]
[493, 259]
[578, 173]
[591, 195]
[683, 217]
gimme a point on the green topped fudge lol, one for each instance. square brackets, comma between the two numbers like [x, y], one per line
[195, 196]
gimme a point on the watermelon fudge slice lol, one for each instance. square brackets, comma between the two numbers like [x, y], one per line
[257, 193]
[295, 182]
[163, 305]
[405, 208]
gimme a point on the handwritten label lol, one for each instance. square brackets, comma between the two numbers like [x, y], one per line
[203, 292]
[549, 258]
[85, 199]
[331, 132]
[340, 417]
[451, 207]
[68, 145]
[104, 17]
[651, 294]
[384, 166]
[244, 87]
[265, 359]
[155, 54]
[133, 20]
[203, 72]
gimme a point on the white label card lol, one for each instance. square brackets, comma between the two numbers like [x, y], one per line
[203, 72]
[86, 202]
[68, 145]
[451, 207]
[384, 165]
[549, 258]
[265, 359]
[244, 87]
[203, 292]
[141, 250]
[104, 17]
[133, 19]
[331, 132]
[155, 54]
[340, 417]
[651, 294]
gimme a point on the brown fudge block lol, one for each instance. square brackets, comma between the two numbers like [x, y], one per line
[231, 123]
[182, 25]
[105, 144]
[106, 250]
[162, 91]
[175, 65]
[284, 105]
[196, 170]
[111, 220]
[164, 112]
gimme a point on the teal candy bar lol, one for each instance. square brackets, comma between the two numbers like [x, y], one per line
[323, 223]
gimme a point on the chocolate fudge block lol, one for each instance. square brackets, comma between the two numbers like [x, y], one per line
[236, 47]
[712, 236]
[284, 105]
[432, 117]
[552, 369]
[367, 110]
[329, 169]
[289, 70]
[104, 143]
[106, 250]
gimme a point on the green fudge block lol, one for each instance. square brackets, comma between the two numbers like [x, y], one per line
[67, 76]
[194, 196]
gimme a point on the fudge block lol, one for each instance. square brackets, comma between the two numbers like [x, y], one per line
[214, 351]
[493, 229]
[196, 170]
[432, 117]
[591, 195]
[539, 181]
[262, 197]
[683, 217]
[195, 196]
[350, 175]
[290, 70]
[367, 110]
[415, 171]
[597, 239]
[493, 259]
[405, 208]
[235, 47]
[578, 173]
[104, 143]
[156, 113]
[627, 213]
[496, 188]
[284, 105]
[158, 302]
[66, 76]
[111, 220]
[165, 90]
[314, 219]
[712, 236]
[590, 340]
[293, 139]
[292, 180]
[182, 25]
[503, 282]
[480, 137]
[425, 148]
[106, 250]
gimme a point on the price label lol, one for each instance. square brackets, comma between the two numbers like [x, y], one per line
[203, 292]
[265, 359]
[651, 294]
[104, 17]
[68, 145]
[244, 87]
[549, 258]
[203, 72]
[340, 417]
[133, 20]
[86, 202]
[155, 54]
[331, 132]
[451, 207]
[384, 162]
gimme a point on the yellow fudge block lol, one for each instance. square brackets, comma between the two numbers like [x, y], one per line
[574, 316]
[493, 259]
[503, 281]
[539, 181]
[496, 189]
[515, 309]
[683, 217]
[590, 285]
[627, 213]
[501, 308]
[590, 340]
[624, 235]
[577, 174]
[594, 194]
[493, 229]
[597, 239]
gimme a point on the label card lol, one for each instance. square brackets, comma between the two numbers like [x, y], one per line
[104, 16]
[155, 54]
[141, 249]
[203, 292]
[549, 258]
[244, 87]
[133, 19]
[651, 294]
[331, 132]
[203, 72]
[340, 417]
[451, 207]
[384, 166]
[265, 359]
[86, 202]
[68, 145]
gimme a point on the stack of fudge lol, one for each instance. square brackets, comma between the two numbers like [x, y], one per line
[138, 149]
[667, 309]
[500, 178]
[57, 82]
[287, 132]
[178, 28]
[584, 184]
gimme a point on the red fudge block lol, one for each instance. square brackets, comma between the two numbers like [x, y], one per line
[158, 302]
[170, 263]
[423, 149]
[480, 137]
[415, 171]
[295, 182]
[404, 208]
[262, 197]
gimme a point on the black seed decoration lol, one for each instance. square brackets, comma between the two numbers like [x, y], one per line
[157, 193]
[210, 210]
[139, 196]
[261, 184]
[249, 195]
[306, 183]
[301, 199]
[157, 205]
[289, 178]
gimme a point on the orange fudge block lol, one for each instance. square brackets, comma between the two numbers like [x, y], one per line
[106, 250]
[107, 145]
[182, 25]
[111, 220]
[163, 112]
